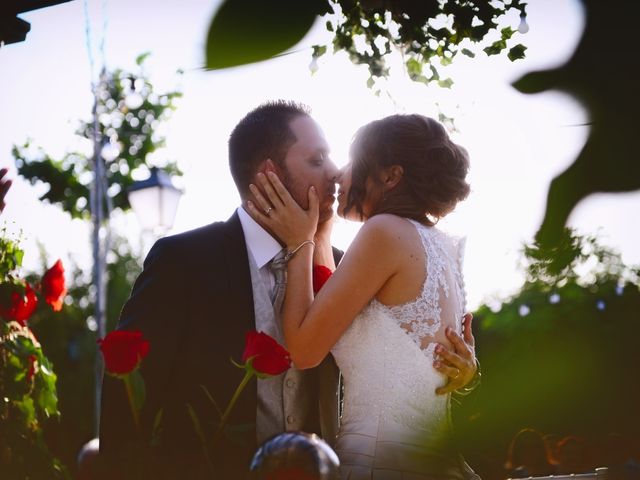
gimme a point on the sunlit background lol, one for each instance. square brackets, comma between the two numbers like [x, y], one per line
[517, 143]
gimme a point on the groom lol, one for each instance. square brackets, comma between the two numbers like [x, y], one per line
[198, 294]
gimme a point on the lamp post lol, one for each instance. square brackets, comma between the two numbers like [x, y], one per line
[155, 201]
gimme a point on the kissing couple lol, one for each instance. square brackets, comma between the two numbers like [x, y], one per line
[377, 353]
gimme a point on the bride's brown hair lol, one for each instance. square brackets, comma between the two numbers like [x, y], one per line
[434, 168]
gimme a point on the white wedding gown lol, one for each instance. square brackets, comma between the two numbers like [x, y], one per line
[393, 425]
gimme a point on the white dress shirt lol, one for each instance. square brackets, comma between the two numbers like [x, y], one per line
[261, 246]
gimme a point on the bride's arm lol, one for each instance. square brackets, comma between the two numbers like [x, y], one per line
[311, 327]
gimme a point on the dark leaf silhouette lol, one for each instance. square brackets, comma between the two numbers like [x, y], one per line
[247, 31]
[601, 74]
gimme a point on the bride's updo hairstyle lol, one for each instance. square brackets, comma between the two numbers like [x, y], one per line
[434, 168]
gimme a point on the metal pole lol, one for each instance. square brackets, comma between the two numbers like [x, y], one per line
[99, 255]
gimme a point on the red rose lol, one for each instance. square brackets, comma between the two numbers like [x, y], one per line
[123, 350]
[270, 357]
[53, 287]
[21, 305]
[320, 275]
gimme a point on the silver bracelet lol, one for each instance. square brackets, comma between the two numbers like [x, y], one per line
[291, 253]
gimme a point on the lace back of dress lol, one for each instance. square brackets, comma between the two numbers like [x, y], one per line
[441, 302]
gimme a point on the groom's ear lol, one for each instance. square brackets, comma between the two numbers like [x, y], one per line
[391, 176]
[270, 166]
[266, 166]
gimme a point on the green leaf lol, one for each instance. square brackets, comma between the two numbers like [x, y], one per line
[446, 83]
[196, 425]
[27, 408]
[370, 82]
[47, 398]
[18, 255]
[516, 52]
[247, 31]
[138, 389]
[507, 33]
[156, 432]
[495, 48]
[414, 68]
[319, 50]
[468, 53]
[140, 59]
[434, 73]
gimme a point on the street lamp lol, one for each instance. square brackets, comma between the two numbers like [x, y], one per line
[155, 201]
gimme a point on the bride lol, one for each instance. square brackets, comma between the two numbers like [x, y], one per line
[384, 312]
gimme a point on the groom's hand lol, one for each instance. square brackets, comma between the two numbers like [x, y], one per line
[458, 364]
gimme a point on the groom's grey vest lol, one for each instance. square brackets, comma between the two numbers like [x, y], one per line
[283, 402]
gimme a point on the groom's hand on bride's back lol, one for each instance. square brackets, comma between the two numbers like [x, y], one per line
[459, 363]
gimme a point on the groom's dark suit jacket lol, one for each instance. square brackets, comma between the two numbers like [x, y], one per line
[194, 303]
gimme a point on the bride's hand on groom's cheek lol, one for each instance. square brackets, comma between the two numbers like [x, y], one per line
[276, 209]
[459, 363]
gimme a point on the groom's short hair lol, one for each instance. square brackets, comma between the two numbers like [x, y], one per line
[263, 133]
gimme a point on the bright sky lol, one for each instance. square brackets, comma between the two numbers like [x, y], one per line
[517, 143]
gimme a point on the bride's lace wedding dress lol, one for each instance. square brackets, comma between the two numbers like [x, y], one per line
[393, 425]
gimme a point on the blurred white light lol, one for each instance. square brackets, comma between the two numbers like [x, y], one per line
[110, 151]
[524, 26]
[92, 324]
[313, 66]
[133, 100]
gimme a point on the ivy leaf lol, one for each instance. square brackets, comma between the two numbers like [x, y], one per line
[247, 31]
[507, 33]
[516, 52]
[495, 48]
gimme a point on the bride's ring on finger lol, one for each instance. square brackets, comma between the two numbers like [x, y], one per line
[268, 211]
[457, 373]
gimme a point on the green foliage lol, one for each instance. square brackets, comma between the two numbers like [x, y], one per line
[427, 33]
[11, 256]
[608, 161]
[138, 389]
[247, 31]
[560, 355]
[71, 345]
[129, 115]
[28, 397]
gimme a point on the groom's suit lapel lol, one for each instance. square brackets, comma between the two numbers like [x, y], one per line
[239, 278]
[240, 316]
